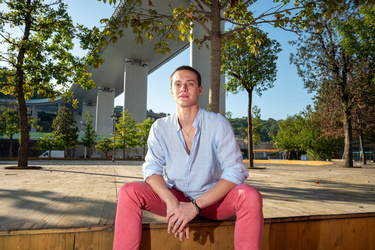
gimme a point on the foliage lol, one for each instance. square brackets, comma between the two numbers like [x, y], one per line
[357, 32]
[45, 121]
[105, 145]
[65, 128]
[301, 134]
[249, 66]
[143, 130]
[89, 135]
[239, 126]
[10, 123]
[286, 138]
[148, 24]
[268, 129]
[256, 123]
[49, 142]
[40, 37]
[125, 131]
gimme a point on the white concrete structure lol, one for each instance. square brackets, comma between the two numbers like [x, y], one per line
[135, 88]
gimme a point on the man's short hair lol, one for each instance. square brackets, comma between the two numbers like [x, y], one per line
[185, 67]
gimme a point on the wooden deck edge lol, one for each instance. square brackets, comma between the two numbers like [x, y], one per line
[319, 217]
[200, 222]
[57, 230]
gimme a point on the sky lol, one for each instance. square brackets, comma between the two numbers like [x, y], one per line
[286, 98]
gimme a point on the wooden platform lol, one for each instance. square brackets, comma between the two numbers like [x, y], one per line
[71, 205]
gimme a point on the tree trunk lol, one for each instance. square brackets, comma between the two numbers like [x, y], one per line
[10, 146]
[361, 144]
[214, 93]
[23, 149]
[250, 146]
[348, 132]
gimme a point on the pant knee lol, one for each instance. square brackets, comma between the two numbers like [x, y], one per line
[251, 195]
[129, 189]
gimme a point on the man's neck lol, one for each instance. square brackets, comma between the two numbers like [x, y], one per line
[186, 116]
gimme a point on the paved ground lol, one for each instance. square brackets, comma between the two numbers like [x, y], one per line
[83, 193]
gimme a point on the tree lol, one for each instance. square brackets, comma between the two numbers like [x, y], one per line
[255, 126]
[301, 134]
[40, 57]
[147, 23]
[327, 67]
[239, 126]
[268, 129]
[10, 123]
[89, 136]
[249, 67]
[358, 40]
[125, 132]
[105, 145]
[312, 139]
[286, 138]
[143, 130]
[65, 128]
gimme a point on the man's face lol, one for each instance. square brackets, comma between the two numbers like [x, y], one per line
[185, 89]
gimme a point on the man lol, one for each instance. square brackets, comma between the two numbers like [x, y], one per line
[203, 174]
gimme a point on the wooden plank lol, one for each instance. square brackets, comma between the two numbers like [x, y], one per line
[93, 240]
[38, 241]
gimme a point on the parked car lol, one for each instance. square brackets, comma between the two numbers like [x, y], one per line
[54, 154]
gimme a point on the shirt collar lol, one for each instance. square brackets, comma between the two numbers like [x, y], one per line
[196, 122]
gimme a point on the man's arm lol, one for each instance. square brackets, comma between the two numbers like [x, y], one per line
[216, 193]
[158, 184]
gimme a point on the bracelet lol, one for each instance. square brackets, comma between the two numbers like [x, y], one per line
[196, 206]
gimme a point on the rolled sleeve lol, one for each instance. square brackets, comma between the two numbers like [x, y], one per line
[229, 154]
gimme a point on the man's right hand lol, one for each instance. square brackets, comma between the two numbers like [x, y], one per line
[178, 219]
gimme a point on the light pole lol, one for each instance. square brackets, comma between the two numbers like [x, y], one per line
[114, 119]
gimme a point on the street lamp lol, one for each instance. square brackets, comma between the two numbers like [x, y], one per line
[114, 119]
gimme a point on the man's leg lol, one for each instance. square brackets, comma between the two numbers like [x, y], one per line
[132, 199]
[244, 202]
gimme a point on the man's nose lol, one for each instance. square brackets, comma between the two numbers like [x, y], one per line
[184, 87]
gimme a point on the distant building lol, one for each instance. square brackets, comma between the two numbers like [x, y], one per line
[154, 116]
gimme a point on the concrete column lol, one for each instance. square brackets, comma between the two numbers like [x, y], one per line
[104, 109]
[34, 114]
[135, 88]
[200, 60]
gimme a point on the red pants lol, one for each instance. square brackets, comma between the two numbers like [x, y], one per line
[243, 201]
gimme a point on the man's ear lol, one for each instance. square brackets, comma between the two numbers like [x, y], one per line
[200, 90]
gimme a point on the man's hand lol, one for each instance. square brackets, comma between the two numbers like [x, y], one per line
[178, 219]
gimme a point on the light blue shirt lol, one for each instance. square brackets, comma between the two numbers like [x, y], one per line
[214, 154]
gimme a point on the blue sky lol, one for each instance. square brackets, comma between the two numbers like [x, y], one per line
[287, 97]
